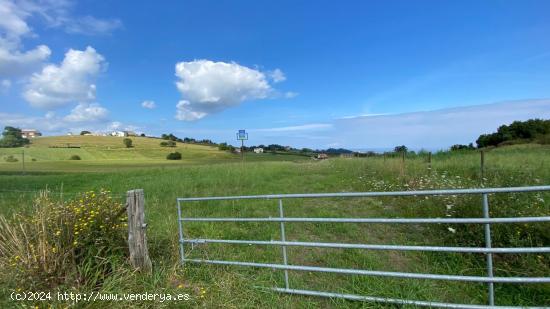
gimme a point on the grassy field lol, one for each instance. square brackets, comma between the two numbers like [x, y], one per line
[106, 153]
[233, 287]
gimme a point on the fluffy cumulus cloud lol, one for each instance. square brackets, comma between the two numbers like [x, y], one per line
[148, 104]
[85, 112]
[71, 81]
[208, 87]
[15, 60]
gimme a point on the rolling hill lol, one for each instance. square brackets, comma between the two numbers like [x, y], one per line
[102, 153]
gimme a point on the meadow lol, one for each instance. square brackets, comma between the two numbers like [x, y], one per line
[205, 171]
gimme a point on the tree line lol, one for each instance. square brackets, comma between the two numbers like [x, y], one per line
[532, 130]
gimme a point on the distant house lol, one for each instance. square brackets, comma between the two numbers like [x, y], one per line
[118, 133]
[237, 150]
[30, 133]
[259, 150]
[322, 156]
[129, 133]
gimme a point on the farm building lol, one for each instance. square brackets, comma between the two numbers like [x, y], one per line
[118, 133]
[258, 150]
[30, 133]
[322, 156]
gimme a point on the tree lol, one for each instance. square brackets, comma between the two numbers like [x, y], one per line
[462, 147]
[401, 148]
[127, 142]
[223, 146]
[12, 137]
[142, 135]
[85, 132]
[530, 130]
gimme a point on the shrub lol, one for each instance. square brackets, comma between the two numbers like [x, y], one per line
[127, 142]
[75, 157]
[168, 144]
[11, 158]
[63, 242]
[174, 156]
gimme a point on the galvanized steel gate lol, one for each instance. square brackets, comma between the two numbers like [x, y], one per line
[488, 250]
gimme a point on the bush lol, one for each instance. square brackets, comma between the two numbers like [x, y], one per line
[174, 156]
[127, 142]
[64, 242]
[168, 144]
[75, 157]
[11, 158]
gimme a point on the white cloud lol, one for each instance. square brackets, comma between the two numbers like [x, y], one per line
[305, 127]
[148, 104]
[15, 61]
[115, 125]
[291, 94]
[277, 76]
[90, 25]
[84, 112]
[5, 85]
[434, 129]
[209, 87]
[71, 81]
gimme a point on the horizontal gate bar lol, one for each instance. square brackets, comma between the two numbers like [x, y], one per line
[392, 300]
[379, 273]
[369, 247]
[377, 220]
[374, 194]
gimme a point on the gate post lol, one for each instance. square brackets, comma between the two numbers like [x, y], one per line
[137, 240]
[283, 238]
[489, 256]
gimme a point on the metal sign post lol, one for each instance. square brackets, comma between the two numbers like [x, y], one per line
[242, 136]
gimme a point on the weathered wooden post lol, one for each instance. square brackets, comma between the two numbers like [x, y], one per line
[482, 167]
[137, 240]
[430, 160]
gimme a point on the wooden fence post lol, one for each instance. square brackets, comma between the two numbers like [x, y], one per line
[137, 240]
[482, 165]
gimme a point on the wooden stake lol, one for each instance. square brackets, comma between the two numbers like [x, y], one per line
[137, 240]
[482, 167]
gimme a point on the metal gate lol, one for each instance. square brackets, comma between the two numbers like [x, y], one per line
[488, 250]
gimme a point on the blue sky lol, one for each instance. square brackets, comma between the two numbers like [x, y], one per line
[302, 73]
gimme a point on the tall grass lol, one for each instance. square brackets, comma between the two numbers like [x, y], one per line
[235, 287]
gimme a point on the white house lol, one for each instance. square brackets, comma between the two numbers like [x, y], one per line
[30, 133]
[118, 133]
[259, 150]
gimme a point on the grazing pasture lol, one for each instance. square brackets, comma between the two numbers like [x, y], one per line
[118, 169]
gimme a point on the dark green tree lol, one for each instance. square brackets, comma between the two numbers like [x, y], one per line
[127, 142]
[12, 137]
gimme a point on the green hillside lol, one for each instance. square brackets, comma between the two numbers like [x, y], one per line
[103, 153]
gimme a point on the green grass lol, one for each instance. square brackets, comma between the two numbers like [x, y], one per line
[236, 287]
[106, 153]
